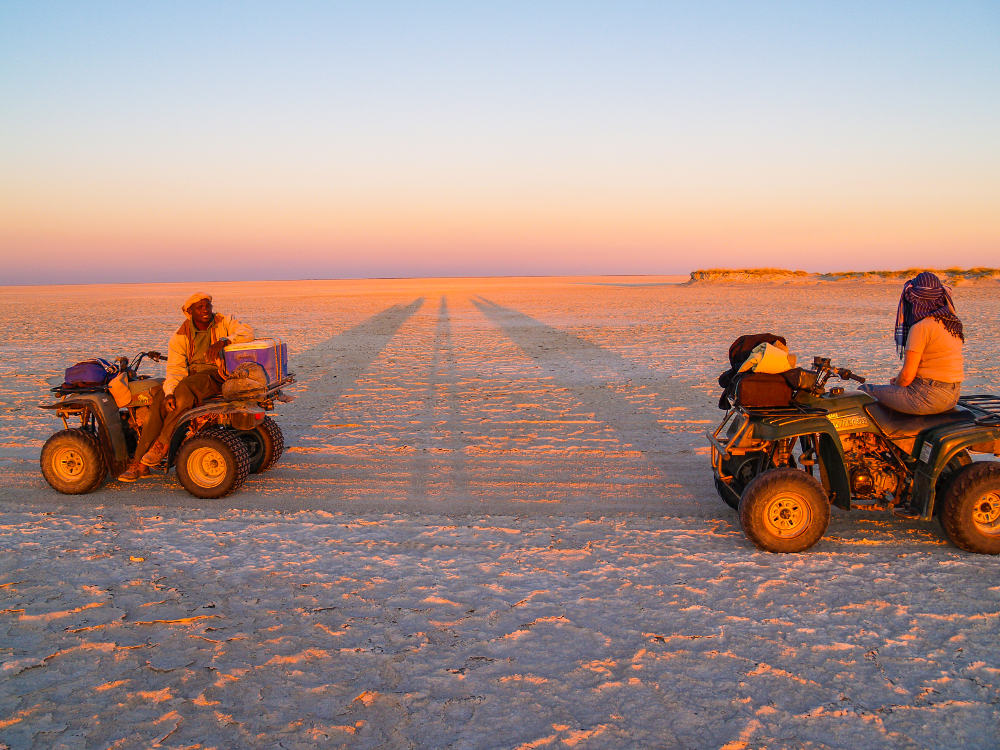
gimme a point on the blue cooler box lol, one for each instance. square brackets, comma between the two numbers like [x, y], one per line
[271, 354]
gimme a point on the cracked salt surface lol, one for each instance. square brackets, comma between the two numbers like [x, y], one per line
[494, 527]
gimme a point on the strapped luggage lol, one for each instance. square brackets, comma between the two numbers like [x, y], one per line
[91, 373]
[739, 350]
[247, 381]
[763, 389]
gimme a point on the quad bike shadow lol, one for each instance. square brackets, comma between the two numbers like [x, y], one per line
[214, 447]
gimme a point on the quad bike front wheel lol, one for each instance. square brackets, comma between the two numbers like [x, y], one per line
[744, 469]
[971, 513]
[213, 463]
[784, 510]
[265, 444]
[72, 462]
[728, 494]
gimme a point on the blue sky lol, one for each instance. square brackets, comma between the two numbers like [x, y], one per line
[437, 138]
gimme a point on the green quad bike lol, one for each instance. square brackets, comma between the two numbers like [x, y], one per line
[215, 446]
[782, 467]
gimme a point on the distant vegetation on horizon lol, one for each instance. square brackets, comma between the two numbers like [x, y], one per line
[947, 275]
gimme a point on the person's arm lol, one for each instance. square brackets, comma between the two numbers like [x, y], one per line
[236, 332]
[911, 361]
[215, 349]
[177, 364]
[230, 332]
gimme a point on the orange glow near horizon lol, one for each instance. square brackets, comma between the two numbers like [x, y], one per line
[522, 139]
[671, 236]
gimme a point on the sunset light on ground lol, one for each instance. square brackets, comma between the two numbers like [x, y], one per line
[494, 525]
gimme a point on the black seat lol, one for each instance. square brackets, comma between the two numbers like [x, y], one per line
[902, 429]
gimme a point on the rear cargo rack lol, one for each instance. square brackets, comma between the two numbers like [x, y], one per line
[985, 407]
[273, 388]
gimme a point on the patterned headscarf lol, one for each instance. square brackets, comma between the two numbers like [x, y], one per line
[925, 296]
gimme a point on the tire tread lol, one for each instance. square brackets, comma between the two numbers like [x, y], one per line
[767, 483]
[956, 519]
[241, 462]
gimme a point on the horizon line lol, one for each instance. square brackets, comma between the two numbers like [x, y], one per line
[688, 274]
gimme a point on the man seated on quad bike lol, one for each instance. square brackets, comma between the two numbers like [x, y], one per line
[193, 377]
[929, 340]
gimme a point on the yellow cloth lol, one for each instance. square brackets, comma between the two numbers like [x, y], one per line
[768, 358]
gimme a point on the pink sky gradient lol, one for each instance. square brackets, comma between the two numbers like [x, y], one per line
[321, 142]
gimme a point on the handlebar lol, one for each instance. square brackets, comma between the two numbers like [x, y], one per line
[848, 375]
[823, 370]
[133, 367]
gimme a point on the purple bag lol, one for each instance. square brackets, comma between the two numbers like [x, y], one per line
[90, 373]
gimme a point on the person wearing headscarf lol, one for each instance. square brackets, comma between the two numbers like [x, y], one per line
[193, 376]
[929, 338]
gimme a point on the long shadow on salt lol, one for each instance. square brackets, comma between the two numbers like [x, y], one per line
[325, 371]
[442, 384]
[595, 377]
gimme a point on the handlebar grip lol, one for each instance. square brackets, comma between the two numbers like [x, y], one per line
[845, 374]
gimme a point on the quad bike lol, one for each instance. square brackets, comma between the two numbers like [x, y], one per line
[782, 467]
[215, 446]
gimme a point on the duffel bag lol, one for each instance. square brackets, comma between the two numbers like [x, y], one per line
[90, 373]
[762, 390]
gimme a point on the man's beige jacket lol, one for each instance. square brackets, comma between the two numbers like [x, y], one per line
[179, 349]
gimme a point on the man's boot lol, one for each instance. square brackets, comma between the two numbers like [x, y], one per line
[135, 470]
[155, 454]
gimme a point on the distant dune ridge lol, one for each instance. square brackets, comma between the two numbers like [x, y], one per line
[949, 276]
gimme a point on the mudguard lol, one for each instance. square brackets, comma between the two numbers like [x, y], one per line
[783, 424]
[934, 449]
[212, 408]
[108, 418]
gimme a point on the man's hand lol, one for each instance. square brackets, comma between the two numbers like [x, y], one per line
[216, 349]
[170, 402]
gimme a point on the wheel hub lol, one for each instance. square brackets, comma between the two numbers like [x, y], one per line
[787, 515]
[986, 513]
[206, 466]
[69, 463]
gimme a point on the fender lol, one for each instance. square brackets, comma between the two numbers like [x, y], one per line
[937, 447]
[220, 408]
[833, 471]
[105, 411]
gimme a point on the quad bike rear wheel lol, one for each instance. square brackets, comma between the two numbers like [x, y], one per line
[265, 444]
[784, 510]
[971, 513]
[72, 462]
[213, 463]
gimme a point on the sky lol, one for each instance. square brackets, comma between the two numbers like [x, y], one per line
[181, 141]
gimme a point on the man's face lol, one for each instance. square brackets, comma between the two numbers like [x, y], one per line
[202, 313]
